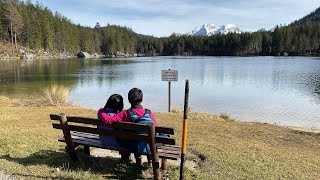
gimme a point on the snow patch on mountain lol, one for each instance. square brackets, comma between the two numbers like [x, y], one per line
[212, 29]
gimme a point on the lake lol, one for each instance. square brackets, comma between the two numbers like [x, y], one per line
[281, 90]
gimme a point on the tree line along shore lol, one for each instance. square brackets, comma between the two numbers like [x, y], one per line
[29, 28]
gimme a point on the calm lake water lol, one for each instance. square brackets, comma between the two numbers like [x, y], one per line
[282, 90]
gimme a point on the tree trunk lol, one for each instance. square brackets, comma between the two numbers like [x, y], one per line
[15, 40]
[11, 29]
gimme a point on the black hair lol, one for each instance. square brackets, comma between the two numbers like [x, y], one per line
[115, 102]
[135, 96]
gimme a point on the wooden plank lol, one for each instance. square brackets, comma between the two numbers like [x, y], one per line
[87, 135]
[55, 117]
[174, 153]
[124, 125]
[56, 126]
[96, 144]
[86, 139]
[173, 148]
[168, 156]
[165, 140]
[121, 124]
[93, 121]
[165, 130]
[118, 134]
[168, 145]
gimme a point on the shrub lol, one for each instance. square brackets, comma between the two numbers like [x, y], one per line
[225, 116]
[56, 94]
[176, 110]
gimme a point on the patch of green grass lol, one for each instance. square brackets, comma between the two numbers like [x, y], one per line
[221, 149]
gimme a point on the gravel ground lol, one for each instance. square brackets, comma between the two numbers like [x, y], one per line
[3, 176]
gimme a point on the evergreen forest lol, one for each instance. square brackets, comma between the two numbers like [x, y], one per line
[23, 23]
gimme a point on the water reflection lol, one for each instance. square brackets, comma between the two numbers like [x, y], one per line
[267, 89]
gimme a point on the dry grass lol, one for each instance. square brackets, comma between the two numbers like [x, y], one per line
[227, 149]
[222, 149]
[4, 101]
[178, 110]
[56, 94]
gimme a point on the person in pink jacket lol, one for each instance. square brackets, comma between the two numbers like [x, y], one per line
[135, 97]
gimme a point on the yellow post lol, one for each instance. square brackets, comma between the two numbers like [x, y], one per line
[185, 126]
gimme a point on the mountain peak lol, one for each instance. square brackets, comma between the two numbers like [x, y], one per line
[212, 29]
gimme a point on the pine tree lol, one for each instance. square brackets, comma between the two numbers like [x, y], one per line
[15, 21]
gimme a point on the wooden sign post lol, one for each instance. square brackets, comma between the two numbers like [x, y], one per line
[185, 126]
[169, 75]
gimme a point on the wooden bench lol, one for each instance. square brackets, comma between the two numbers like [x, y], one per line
[83, 131]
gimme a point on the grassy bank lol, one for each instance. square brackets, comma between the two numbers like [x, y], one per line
[217, 148]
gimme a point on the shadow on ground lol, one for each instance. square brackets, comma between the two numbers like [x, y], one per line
[109, 167]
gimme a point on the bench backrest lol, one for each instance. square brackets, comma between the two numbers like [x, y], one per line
[89, 125]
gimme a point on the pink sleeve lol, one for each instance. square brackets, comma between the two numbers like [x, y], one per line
[153, 118]
[111, 119]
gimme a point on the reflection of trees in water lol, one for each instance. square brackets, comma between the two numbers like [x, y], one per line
[107, 71]
[301, 79]
[314, 84]
[27, 76]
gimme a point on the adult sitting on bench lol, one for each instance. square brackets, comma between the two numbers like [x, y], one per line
[136, 114]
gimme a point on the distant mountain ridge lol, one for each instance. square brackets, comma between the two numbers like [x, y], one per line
[212, 29]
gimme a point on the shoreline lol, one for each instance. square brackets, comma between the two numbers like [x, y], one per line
[39, 102]
[312, 129]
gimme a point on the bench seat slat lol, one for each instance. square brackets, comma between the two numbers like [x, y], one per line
[95, 144]
[168, 156]
[165, 140]
[170, 152]
[86, 135]
[166, 147]
[165, 130]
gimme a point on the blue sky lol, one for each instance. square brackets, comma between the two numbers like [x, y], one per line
[163, 17]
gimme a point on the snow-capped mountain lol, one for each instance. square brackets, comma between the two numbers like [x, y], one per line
[212, 29]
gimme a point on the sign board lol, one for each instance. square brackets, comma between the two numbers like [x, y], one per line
[169, 75]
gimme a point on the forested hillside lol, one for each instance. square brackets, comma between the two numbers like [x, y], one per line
[313, 17]
[36, 27]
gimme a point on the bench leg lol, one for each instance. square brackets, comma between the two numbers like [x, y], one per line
[149, 160]
[164, 164]
[125, 157]
[138, 159]
[86, 150]
[154, 153]
[72, 152]
[67, 136]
